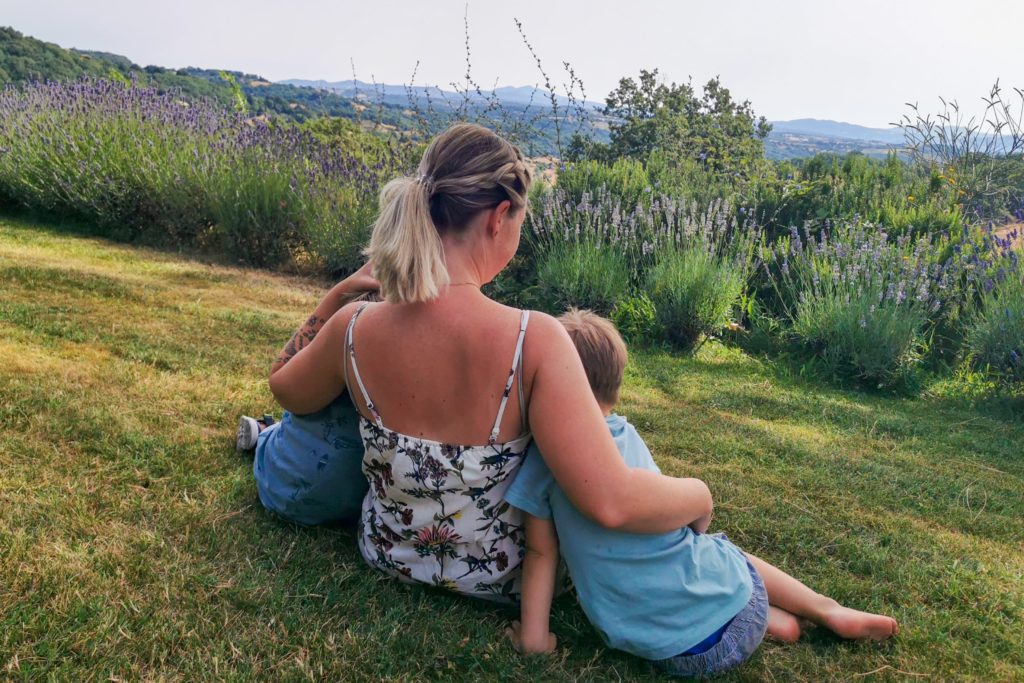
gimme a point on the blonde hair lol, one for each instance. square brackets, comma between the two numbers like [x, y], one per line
[465, 170]
[602, 351]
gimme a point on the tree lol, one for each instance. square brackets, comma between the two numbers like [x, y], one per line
[712, 128]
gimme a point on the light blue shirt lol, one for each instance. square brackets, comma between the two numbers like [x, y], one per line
[652, 595]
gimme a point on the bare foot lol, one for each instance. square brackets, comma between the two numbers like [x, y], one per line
[782, 625]
[853, 624]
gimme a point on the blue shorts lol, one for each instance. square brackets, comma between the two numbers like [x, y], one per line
[739, 640]
[308, 468]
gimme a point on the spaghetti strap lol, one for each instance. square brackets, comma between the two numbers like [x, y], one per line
[355, 368]
[523, 321]
[522, 403]
[348, 380]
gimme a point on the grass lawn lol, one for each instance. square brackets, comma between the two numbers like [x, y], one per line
[132, 545]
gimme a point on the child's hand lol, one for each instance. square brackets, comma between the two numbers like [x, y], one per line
[362, 280]
[541, 644]
[701, 524]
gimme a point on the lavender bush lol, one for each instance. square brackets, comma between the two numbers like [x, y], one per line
[582, 275]
[637, 231]
[691, 261]
[141, 164]
[694, 291]
[995, 330]
[857, 298]
[700, 274]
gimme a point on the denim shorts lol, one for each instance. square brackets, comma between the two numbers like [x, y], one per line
[739, 640]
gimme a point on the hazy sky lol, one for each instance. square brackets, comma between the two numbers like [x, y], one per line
[856, 61]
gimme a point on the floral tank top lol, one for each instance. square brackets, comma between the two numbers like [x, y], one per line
[435, 513]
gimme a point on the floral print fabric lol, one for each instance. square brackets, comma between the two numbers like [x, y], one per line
[435, 513]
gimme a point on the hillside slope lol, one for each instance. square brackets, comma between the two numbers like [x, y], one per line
[24, 58]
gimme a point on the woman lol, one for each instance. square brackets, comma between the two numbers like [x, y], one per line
[432, 368]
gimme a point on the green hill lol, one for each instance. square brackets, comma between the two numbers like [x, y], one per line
[27, 59]
[24, 58]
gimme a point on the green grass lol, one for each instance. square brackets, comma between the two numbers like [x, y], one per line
[132, 545]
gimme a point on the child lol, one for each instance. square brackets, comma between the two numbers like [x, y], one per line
[695, 604]
[308, 468]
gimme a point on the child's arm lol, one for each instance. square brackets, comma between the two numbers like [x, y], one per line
[539, 568]
[343, 292]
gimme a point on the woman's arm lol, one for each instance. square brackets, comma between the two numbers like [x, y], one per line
[540, 565]
[342, 293]
[573, 437]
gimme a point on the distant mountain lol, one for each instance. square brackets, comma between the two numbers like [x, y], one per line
[802, 138]
[523, 95]
[507, 107]
[839, 129]
[23, 58]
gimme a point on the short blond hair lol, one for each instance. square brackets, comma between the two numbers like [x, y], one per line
[602, 351]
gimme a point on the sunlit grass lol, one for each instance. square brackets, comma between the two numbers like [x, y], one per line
[132, 545]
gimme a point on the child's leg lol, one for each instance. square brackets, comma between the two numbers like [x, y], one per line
[782, 625]
[790, 595]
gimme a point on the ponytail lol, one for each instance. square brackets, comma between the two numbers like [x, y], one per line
[465, 170]
[405, 249]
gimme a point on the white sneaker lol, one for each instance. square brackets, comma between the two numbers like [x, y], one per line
[248, 430]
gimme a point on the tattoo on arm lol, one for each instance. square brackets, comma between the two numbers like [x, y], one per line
[300, 339]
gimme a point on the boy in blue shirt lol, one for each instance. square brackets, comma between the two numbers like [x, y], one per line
[693, 603]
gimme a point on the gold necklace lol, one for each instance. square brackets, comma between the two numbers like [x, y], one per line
[460, 284]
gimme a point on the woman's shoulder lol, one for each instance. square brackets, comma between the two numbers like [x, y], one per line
[546, 325]
[546, 341]
[339, 322]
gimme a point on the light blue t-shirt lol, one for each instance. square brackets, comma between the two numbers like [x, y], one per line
[652, 595]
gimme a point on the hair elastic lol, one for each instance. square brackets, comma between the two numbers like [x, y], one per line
[427, 181]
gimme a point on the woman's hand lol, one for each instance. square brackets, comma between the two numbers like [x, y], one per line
[315, 375]
[543, 644]
[701, 524]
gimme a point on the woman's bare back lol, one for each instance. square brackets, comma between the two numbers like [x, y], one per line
[437, 370]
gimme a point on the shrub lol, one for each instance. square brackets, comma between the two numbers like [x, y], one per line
[694, 291]
[995, 336]
[146, 165]
[637, 232]
[636, 318]
[921, 219]
[592, 251]
[857, 299]
[828, 187]
[624, 179]
[873, 346]
[583, 276]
